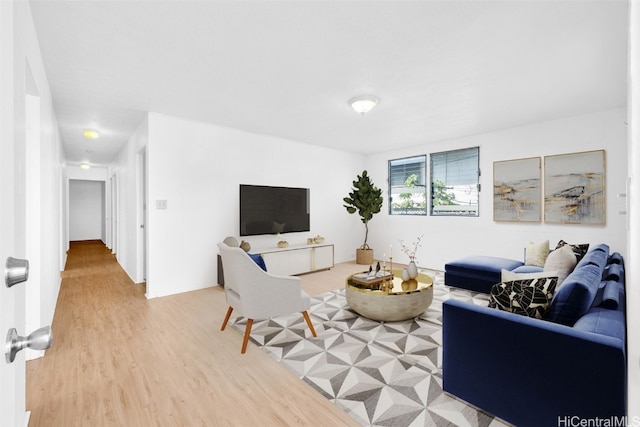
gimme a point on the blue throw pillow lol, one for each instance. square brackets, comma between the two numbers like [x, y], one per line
[257, 258]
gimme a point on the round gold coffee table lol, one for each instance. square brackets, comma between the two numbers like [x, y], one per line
[405, 300]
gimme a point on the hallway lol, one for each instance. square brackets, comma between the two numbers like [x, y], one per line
[118, 359]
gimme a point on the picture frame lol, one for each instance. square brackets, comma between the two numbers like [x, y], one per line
[574, 188]
[517, 190]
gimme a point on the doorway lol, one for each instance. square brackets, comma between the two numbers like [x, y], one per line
[86, 210]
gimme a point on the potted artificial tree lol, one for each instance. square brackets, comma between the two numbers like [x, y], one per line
[366, 199]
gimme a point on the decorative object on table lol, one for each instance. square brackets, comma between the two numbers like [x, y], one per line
[318, 239]
[574, 188]
[371, 280]
[384, 286]
[245, 246]
[231, 241]
[410, 251]
[517, 190]
[310, 240]
[409, 285]
[365, 199]
[405, 275]
[282, 243]
[412, 269]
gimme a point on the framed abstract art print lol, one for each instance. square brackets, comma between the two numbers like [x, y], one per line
[574, 188]
[516, 190]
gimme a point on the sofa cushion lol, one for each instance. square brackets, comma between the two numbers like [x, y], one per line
[481, 265]
[613, 272]
[575, 295]
[562, 261]
[509, 276]
[527, 269]
[536, 253]
[610, 294]
[579, 250]
[528, 297]
[598, 255]
[603, 321]
[601, 247]
[616, 258]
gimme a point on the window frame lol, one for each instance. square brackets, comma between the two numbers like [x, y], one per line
[432, 168]
[421, 162]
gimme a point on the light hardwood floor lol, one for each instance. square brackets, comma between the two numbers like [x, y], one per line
[118, 359]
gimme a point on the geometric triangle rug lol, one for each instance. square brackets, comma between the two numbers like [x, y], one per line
[380, 373]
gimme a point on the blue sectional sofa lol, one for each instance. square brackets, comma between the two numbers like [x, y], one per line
[567, 367]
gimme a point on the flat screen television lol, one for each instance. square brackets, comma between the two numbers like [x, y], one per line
[272, 210]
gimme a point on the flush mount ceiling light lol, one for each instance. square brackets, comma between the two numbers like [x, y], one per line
[363, 104]
[91, 133]
[84, 166]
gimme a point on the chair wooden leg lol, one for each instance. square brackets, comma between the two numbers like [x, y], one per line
[226, 318]
[306, 317]
[247, 332]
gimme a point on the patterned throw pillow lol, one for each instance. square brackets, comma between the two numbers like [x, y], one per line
[579, 250]
[528, 297]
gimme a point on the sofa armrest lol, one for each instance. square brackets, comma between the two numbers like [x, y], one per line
[530, 372]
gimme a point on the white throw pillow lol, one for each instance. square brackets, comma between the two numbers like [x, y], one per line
[562, 260]
[510, 276]
[537, 253]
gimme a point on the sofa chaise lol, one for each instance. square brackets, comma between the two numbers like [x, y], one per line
[566, 367]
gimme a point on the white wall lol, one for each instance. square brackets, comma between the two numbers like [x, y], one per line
[129, 234]
[197, 168]
[632, 269]
[45, 191]
[448, 238]
[94, 173]
[86, 210]
[71, 172]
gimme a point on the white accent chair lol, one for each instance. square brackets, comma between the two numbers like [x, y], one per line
[256, 294]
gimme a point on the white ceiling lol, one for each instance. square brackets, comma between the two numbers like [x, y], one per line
[441, 69]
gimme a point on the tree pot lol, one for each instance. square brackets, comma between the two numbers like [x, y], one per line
[364, 256]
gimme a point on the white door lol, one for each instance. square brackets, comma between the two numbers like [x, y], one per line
[12, 312]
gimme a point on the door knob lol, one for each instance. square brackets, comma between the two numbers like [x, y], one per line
[40, 339]
[15, 271]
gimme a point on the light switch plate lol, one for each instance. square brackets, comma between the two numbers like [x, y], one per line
[161, 204]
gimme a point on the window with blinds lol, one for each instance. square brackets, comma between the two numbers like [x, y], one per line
[407, 186]
[455, 182]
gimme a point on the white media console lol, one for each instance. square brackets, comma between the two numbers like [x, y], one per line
[297, 259]
[292, 260]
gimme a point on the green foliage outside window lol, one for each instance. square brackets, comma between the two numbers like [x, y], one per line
[442, 197]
